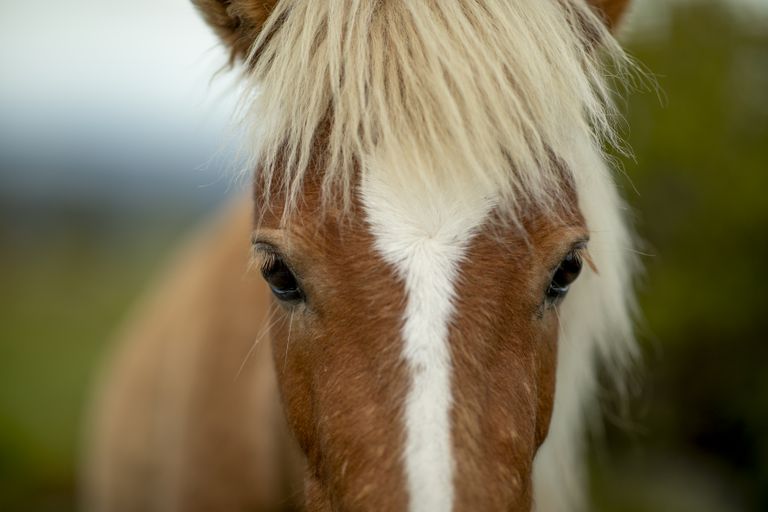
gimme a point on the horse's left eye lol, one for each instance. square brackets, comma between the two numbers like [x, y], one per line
[281, 280]
[566, 273]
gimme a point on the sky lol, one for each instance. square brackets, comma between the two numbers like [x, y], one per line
[90, 89]
[99, 53]
[107, 98]
[152, 56]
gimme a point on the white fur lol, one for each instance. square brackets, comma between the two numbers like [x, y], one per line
[423, 231]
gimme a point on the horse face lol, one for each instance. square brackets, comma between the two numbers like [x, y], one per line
[415, 333]
[414, 339]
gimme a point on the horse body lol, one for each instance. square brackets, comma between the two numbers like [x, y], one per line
[178, 424]
[429, 183]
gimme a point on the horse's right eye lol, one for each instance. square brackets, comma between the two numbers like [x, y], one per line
[281, 280]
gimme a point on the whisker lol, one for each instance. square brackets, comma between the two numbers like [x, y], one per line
[269, 323]
[288, 341]
[559, 321]
[253, 261]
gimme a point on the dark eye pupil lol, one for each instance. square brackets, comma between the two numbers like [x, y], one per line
[564, 276]
[281, 280]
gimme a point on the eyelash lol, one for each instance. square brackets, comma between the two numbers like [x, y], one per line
[268, 258]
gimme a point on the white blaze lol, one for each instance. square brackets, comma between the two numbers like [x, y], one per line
[423, 231]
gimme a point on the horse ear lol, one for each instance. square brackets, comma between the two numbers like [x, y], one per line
[611, 11]
[236, 22]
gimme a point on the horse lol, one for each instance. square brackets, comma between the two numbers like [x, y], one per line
[444, 264]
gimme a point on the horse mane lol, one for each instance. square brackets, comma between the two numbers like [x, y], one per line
[438, 90]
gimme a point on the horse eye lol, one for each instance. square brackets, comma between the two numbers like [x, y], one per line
[281, 280]
[566, 273]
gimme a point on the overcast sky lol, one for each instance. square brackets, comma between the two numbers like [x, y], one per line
[157, 53]
[129, 77]
[97, 96]
[122, 56]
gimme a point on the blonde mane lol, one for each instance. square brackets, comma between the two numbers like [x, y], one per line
[440, 89]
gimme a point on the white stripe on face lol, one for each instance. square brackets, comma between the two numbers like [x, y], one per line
[423, 232]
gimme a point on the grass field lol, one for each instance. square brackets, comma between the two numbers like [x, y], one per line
[63, 295]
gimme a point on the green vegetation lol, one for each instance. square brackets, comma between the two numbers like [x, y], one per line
[698, 440]
[64, 294]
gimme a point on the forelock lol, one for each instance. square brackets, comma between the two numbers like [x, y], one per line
[440, 91]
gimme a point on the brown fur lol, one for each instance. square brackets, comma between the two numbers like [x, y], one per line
[338, 364]
[504, 353]
[613, 11]
[236, 22]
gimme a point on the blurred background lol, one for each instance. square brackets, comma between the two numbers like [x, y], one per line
[115, 142]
